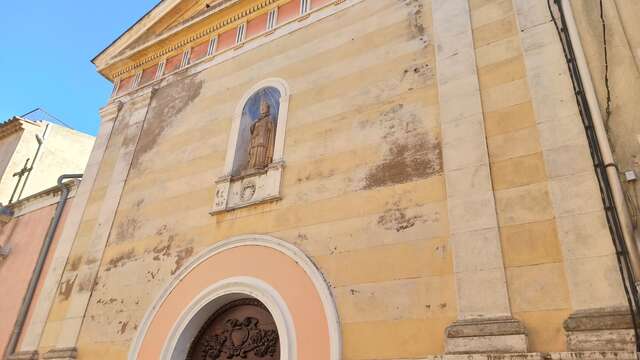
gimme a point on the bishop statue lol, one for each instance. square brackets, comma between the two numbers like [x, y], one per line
[263, 135]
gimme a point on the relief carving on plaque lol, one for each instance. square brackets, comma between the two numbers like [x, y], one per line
[242, 329]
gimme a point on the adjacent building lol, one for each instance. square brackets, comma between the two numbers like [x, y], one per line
[351, 179]
[22, 236]
[34, 153]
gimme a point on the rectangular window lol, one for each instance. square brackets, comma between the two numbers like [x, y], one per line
[241, 33]
[272, 19]
[136, 81]
[161, 68]
[116, 86]
[213, 44]
[185, 58]
[304, 6]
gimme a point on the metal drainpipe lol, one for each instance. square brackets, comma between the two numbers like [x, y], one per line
[603, 141]
[37, 271]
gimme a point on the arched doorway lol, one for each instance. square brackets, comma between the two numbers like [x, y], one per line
[203, 295]
[241, 329]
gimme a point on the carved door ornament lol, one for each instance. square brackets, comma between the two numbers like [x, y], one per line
[242, 329]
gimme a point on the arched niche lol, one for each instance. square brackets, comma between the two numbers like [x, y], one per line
[269, 270]
[251, 113]
[243, 183]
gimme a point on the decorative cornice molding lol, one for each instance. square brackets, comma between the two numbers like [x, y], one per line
[139, 27]
[210, 30]
[281, 30]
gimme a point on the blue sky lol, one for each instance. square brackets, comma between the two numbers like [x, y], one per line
[46, 49]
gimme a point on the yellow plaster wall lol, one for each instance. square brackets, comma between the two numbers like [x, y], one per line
[362, 194]
[63, 310]
[538, 289]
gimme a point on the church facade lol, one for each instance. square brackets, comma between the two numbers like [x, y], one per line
[340, 179]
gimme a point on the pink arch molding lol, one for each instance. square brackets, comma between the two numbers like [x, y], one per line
[269, 261]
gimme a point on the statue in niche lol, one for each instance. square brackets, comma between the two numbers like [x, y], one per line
[262, 140]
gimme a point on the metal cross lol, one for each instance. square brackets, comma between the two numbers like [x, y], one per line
[20, 174]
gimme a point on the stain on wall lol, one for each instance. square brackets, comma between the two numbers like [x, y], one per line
[120, 260]
[166, 104]
[411, 153]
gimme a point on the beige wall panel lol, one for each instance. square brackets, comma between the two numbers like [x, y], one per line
[528, 232]
[545, 329]
[421, 298]
[362, 185]
[403, 339]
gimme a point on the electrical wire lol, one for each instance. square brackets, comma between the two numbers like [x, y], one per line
[48, 114]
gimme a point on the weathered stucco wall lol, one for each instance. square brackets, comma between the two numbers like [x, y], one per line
[366, 183]
[362, 190]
